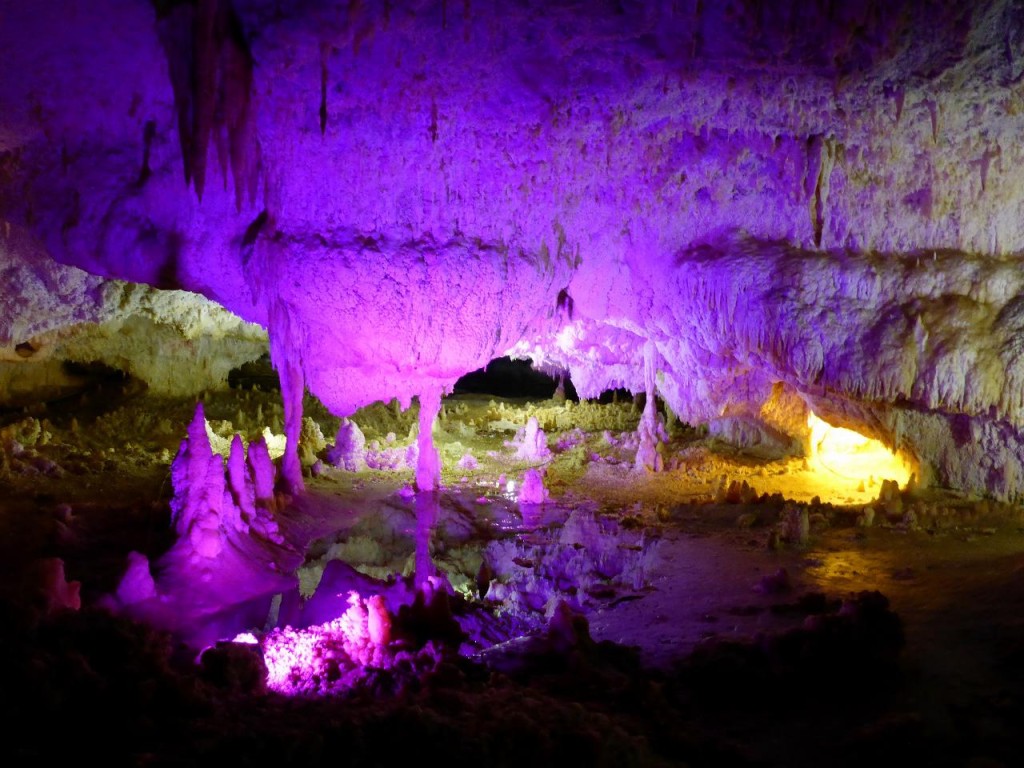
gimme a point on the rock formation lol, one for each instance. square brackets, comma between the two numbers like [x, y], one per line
[735, 198]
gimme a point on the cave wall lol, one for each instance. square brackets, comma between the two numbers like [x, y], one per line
[174, 342]
[823, 196]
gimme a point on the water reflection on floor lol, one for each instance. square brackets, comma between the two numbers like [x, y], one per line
[700, 575]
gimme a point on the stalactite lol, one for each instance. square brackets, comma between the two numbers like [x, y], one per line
[933, 115]
[204, 89]
[211, 75]
[821, 159]
[985, 163]
[433, 123]
[148, 134]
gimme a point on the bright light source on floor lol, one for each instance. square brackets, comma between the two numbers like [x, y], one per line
[853, 456]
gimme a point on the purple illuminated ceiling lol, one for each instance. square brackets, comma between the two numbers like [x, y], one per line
[823, 197]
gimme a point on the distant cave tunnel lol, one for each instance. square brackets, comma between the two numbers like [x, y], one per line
[506, 377]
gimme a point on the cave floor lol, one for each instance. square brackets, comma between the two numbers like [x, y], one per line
[672, 568]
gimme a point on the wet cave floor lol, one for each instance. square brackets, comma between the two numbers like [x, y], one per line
[631, 618]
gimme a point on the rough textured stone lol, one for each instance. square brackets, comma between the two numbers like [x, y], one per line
[762, 194]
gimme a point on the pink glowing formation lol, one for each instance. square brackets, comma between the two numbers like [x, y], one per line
[329, 657]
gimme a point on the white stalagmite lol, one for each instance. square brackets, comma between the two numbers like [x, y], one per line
[428, 461]
[261, 468]
[243, 491]
[349, 449]
[531, 443]
[137, 583]
[532, 490]
[650, 430]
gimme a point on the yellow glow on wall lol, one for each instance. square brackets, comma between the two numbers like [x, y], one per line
[853, 456]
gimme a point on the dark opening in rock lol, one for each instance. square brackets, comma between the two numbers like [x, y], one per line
[26, 349]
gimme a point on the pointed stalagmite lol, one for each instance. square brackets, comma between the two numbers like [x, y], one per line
[240, 484]
[289, 370]
[197, 476]
[261, 468]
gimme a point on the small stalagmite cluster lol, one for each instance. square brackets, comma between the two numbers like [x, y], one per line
[211, 505]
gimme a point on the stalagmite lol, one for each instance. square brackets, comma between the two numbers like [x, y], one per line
[349, 449]
[55, 592]
[240, 483]
[650, 430]
[214, 504]
[428, 461]
[197, 475]
[531, 443]
[532, 490]
[261, 468]
[559, 394]
[137, 583]
[289, 371]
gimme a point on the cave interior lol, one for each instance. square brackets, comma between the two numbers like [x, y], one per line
[610, 383]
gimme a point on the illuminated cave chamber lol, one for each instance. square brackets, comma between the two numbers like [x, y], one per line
[812, 253]
[298, 231]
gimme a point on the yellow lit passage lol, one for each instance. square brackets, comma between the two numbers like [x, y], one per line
[852, 456]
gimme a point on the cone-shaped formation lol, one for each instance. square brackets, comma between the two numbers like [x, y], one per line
[532, 490]
[209, 507]
[531, 443]
[197, 475]
[349, 449]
